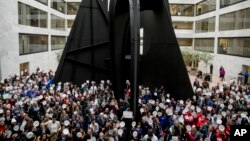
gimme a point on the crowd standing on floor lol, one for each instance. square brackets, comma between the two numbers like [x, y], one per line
[33, 108]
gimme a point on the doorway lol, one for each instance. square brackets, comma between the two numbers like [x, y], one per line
[23, 67]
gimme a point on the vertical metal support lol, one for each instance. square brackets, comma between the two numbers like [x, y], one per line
[134, 6]
[92, 40]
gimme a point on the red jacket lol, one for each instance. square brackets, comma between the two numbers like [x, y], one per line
[190, 136]
[2, 128]
[201, 122]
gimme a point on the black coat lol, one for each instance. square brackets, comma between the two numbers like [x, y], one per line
[8, 121]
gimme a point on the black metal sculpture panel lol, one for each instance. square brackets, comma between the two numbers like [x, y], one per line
[99, 46]
[87, 52]
[162, 57]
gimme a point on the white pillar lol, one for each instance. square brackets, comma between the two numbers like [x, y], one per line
[217, 24]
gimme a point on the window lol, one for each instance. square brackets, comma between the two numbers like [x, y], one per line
[70, 23]
[57, 42]
[234, 46]
[205, 7]
[247, 19]
[58, 5]
[205, 25]
[141, 40]
[240, 17]
[225, 3]
[183, 25]
[235, 20]
[57, 23]
[185, 41]
[182, 10]
[31, 43]
[72, 8]
[43, 1]
[31, 16]
[204, 44]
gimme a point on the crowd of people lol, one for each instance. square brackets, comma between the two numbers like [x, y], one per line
[33, 108]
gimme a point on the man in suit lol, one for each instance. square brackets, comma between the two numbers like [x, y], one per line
[211, 133]
[246, 77]
[196, 83]
[211, 68]
[8, 117]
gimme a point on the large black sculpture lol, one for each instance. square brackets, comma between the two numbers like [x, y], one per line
[100, 47]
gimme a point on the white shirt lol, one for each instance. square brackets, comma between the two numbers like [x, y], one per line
[95, 127]
[53, 127]
[92, 139]
[154, 138]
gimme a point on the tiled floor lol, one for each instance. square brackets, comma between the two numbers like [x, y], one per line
[215, 80]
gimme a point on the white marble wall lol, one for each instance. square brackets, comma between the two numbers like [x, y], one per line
[9, 41]
[8, 37]
[232, 65]
[182, 1]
